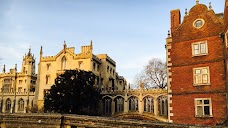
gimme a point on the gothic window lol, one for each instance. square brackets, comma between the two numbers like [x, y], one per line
[203, 107]
[201, 76]
[80, 64]
[7, 85]
[21, 105]
[107, 106]
[8, 105]
[149, 104]
[133, 104]
[163, 105]
[119, 104]
[48, 67]
[47, 79]
[63, 63]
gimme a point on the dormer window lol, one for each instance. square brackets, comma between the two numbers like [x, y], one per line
[198, 23]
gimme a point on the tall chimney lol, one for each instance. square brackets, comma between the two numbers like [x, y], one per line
[175, 19]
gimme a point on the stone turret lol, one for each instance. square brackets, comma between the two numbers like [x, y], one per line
[28, 65]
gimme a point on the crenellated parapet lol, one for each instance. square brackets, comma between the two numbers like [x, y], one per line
[105, 56]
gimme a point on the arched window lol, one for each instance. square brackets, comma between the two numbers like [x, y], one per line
[107, 106]
[8, 105]
[21, 105]
[163, 105]
[149, 104]
[119, 104]
[63, 63]
[133, 104]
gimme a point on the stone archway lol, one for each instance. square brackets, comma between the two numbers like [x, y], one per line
[119, 104]
[107, 106]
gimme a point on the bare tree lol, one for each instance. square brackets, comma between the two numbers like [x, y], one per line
[153, 74]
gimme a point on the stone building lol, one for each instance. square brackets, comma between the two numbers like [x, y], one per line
[197, 66]
[18, 88]
[147, 104]
[101, 65]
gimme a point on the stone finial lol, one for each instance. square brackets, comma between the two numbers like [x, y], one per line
[141, 85]
[29, 53]
[210, 7]
[64, 45]
[15, 67]
[186, 11]
[197, 2]
[4, 68]
[91, 44]
[168, 33]
[41, 50]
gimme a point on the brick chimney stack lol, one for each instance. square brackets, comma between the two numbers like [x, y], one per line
[175, 19]
[226, 15]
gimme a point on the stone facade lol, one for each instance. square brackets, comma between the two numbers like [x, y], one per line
[197, 66]
[17, 88]
[104, 67]
[150, 103]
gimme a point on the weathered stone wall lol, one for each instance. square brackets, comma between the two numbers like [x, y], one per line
[30, 120]
[77, 121]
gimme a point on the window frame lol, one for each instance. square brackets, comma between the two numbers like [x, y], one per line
[48, 66]
[199, 48]
[208, 74]
[203, 105]
[203, 22]
[47, 79]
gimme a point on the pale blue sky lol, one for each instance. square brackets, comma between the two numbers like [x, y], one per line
[129, 31]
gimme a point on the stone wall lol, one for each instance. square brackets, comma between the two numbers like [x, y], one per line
[77, 121]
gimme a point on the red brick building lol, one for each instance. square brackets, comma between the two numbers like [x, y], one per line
[197, 55]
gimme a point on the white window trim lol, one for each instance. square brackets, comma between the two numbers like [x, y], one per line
[200, 54]
[209, 82]
[210, 105]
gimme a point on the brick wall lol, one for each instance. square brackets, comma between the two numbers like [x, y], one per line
[182, 90]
